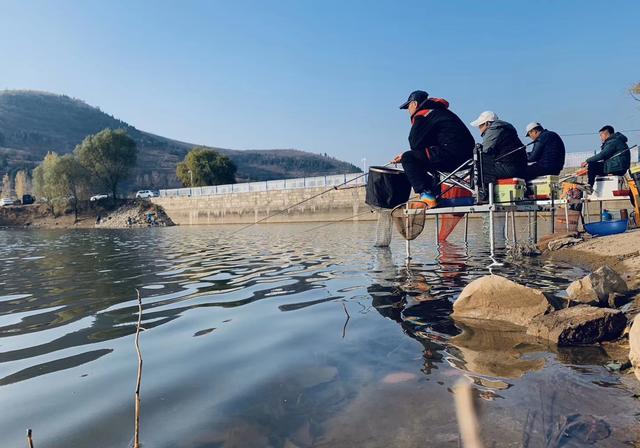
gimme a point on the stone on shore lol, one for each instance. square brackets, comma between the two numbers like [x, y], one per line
[634, 346]
[582, 324]
[496, 298]
[595, 288]
[563, 242]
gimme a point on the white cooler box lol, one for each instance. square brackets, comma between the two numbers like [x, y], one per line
[605, 186]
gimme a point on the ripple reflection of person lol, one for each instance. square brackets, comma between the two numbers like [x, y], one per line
[397, 301]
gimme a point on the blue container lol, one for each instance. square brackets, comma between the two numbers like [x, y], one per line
[456, 202]
[607, 227]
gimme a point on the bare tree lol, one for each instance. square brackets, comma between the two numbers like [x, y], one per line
[6, 186]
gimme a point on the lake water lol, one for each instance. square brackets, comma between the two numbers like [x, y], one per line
[280, 336]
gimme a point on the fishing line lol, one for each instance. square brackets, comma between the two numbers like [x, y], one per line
[595, 133]
[339, 220]
[335, 187]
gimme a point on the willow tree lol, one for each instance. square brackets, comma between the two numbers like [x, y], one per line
[110, 156]
[41, 188]
[204, 166]
[68, 180]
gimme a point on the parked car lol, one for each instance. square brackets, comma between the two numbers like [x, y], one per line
[6, 201]
[28, 199]
[144, 194]
[98, 197]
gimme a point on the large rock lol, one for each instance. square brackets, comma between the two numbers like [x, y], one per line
[496, 298]
[634, 346]
[594, 289]
[582, 324]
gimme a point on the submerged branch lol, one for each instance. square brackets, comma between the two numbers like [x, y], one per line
[344, 329]
[136, 435]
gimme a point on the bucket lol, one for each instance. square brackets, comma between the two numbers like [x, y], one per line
[387, 187]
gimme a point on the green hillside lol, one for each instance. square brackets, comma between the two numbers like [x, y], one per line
[32, 123]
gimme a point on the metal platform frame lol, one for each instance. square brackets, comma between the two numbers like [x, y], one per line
[531, 207]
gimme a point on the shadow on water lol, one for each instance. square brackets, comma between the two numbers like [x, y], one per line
[282, 339]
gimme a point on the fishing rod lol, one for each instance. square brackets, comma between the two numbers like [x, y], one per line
[279, 212]
[514, 150]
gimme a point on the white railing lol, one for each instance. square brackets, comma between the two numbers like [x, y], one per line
[268, 185]
[572, 160]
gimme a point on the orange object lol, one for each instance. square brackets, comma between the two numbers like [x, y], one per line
[509, 181]
[449, 223]
[454, 192]
[636, 200]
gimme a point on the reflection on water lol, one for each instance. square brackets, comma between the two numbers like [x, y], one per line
[279, 337]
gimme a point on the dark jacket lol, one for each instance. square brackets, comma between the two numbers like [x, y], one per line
[615, 154]
[548, 153]
[441, 134]
[500, 139]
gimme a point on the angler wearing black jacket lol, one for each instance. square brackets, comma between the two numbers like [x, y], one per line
[439, 140]
[547, 156]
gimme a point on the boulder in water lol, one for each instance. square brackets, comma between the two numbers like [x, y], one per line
[634, 346]
[582, 324]
[496, 298]
[594, 289]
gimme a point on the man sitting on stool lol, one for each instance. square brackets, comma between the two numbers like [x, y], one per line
[503, 154]
[614, 157]
[439, 141]
[547, 156]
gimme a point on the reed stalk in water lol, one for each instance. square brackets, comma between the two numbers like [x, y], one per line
[136, 434]
[467, 418]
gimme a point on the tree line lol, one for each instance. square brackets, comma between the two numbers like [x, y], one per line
[102, 162]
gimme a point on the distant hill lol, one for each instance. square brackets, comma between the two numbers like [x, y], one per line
[32, 123]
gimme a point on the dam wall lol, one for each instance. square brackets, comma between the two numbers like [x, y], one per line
[249, 207]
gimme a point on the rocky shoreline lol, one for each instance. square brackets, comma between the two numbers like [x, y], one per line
[600, 308]
[121, 215]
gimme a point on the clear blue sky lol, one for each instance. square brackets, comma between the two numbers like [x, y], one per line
[328, 76]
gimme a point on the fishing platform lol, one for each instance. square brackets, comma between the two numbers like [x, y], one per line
[549, 195]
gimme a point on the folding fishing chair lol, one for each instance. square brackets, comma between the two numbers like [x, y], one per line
[469, 176]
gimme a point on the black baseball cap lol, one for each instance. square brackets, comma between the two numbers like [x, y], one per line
[417, 95]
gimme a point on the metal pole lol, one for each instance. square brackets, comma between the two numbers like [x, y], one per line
[437, 228]
[566, 214]
[529, 226]
[553, 215]
[491, 236]
[586, 217]
[506, 226]
[466, 227]
[535, 225]
[406, 229]
[513, 227]
[600, 205]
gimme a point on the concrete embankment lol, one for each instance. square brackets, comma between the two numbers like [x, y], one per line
[240, 208]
